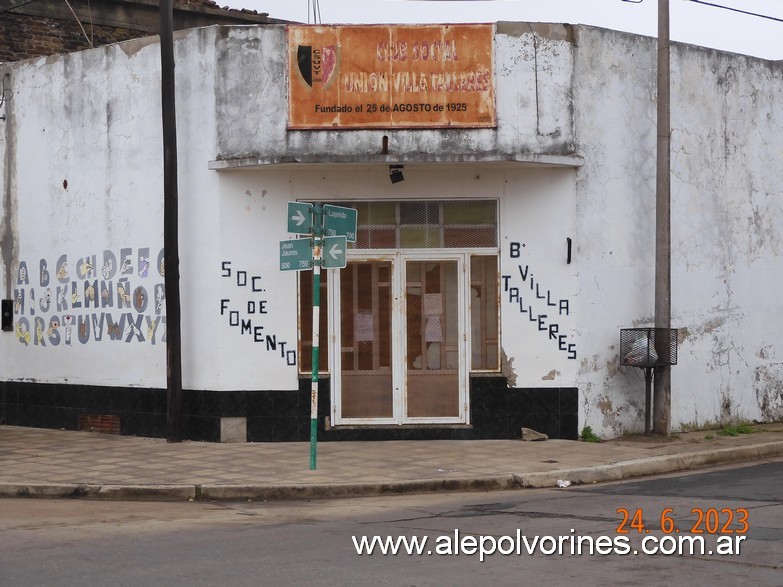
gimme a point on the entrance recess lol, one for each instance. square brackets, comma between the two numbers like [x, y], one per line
[401, 335]
[414, 312]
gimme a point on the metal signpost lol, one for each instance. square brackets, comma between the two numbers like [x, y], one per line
[299, 254]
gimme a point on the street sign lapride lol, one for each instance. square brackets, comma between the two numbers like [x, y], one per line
[296, 254]
[333, 254]
[300, 218]
[340, 221]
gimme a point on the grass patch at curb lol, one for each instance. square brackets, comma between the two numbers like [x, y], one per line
[588, 435]
[736, 429]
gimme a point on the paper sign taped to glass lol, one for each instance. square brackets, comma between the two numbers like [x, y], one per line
[433, 332]
[363, 328]
[433, 304]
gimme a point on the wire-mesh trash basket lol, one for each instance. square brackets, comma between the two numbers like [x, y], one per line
[648, 347]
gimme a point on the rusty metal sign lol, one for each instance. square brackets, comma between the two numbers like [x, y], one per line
[419, 76]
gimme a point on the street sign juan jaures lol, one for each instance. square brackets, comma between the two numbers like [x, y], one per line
[414, 76]
[296, 254]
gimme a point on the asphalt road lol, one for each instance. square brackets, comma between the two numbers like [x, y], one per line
[84, 542]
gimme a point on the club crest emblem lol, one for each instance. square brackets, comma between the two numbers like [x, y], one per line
[317, 65]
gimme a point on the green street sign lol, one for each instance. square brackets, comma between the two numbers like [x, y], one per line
[339, 221]
[296, 254]
[333, 255]
[300, 218]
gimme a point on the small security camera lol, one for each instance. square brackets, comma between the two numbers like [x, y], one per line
[395, 173]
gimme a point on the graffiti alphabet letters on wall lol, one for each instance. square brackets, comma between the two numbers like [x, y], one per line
[105, 297]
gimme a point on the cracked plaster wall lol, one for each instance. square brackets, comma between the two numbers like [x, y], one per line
[88, 177]
[727, 221]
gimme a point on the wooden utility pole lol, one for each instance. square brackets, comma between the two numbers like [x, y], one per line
[662, 388]
[170, 227]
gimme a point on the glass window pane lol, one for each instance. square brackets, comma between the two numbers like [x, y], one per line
[455, 237]
[366, 384]
[469, 212]
[379, 213]
[419, 213]
[419, 238]
[432, 376]
[376, 238]
[484, 332]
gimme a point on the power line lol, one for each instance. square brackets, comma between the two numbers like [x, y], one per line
[723, 7]
[316, 11]
[78, 21]
[737, 10]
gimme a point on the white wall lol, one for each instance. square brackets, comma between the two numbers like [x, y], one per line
[538, 289]
[727, 142]
[253, 221]
[87, 178]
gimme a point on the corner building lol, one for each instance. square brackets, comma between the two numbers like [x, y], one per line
[504, 181]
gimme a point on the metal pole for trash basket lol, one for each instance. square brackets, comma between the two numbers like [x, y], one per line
[648, 349]
[648, 378]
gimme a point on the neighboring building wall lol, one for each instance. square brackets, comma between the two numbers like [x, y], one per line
[572, 157]
[26, 37]
[45, 27]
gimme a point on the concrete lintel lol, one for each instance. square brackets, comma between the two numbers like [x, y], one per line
[529, 159]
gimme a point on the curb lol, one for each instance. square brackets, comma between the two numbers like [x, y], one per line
[268, 492]
[95, 491]
[327, 490]
[652, 465]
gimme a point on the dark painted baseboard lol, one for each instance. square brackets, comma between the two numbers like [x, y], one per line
[497, 412]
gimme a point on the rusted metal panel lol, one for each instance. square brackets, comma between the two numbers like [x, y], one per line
[375, 76]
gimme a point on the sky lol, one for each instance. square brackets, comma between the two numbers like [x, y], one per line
[690, 22]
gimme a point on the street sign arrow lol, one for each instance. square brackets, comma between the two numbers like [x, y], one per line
[335, 248]
[300, 217]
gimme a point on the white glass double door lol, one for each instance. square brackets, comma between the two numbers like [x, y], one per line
[399, 322]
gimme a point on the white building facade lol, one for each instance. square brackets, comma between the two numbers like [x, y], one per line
[485, 292]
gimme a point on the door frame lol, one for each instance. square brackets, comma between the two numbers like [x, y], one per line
[398, 259]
